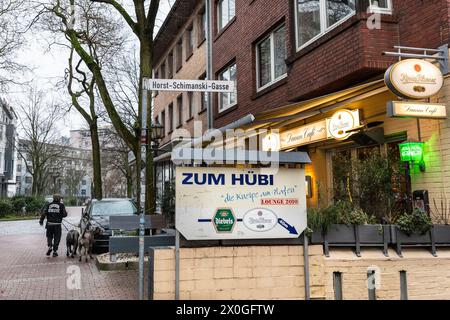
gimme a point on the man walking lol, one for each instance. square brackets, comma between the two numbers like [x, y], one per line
[54, 212]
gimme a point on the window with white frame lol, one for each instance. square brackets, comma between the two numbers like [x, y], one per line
[382, 6]
[271, 56]
[226, 10]
[313, 18]
[229, 99]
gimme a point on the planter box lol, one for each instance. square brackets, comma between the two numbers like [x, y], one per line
[354, 237]
[341, 234]
[441, 234]
[414, 239]
[317, 237]
[374, 234]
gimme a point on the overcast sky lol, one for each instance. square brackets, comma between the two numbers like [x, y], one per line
[48, 67]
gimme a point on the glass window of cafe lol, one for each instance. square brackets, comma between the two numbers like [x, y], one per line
[372, 177]
[165, 174]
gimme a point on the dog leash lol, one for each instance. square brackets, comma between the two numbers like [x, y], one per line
[72, 224]
[67, 229]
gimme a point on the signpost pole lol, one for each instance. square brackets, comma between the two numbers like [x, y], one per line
[209, 67]
[177, 264]
[141, 210]
[306, 266]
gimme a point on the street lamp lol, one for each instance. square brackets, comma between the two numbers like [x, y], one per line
[157, 133]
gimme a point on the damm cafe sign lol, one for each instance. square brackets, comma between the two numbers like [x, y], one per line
[415, 79]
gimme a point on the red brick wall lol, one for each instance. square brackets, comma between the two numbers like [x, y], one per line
[349, 54]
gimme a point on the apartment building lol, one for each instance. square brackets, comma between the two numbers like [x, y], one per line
[70, 175]
[180, 53]
[8, 153]
[313, 74]
[300, 62]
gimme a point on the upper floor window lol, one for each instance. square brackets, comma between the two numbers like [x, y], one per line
[180, 110]
[190, 97]
[189, 41]
[271, 56]
[170, 65]
[162, 71]
[227, 100]
[202, 26]
[316, 17]
[171, 119]
[203, 96]
[226, 10]
[179, 54]
[382, 6]
[163, 121]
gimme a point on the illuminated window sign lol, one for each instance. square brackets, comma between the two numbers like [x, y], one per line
[411, 151]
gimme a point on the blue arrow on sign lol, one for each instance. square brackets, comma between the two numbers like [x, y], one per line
[287, 226]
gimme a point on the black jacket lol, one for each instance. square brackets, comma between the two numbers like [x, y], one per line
[54, 212]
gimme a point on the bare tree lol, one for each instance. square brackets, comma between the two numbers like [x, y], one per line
[72, 179]
[101, 37]
[11, 39]
[141, 23]
[115, 159]
[40, 147]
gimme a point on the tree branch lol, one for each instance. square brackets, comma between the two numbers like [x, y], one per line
[133, 25]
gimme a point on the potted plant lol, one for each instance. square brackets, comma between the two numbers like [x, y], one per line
[343, 224]
[320, 221]
[441, 218]
[414, 228]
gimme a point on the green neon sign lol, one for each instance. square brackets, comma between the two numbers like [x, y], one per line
[411, 151]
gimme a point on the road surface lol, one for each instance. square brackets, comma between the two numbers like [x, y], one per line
[27, 274]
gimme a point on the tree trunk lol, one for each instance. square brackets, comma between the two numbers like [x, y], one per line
[129, 187]
[138, 155]
[147, 72]
[129, 178]
[96, 161]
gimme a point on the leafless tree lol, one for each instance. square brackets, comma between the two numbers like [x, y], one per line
[115, 159]
[12, 32]
[72, 179]
[141, 22]
[40, 147]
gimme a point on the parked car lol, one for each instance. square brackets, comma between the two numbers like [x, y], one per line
[97, 213]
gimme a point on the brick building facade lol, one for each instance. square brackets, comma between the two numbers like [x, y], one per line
[329, 47]
[180, 51]
[296, 65]
[345, 55]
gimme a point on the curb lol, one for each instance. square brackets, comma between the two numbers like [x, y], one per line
[118, 266]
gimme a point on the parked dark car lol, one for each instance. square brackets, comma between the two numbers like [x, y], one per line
[97, 212]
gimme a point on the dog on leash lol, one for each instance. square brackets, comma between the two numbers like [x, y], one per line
[72, 239]
[85, 244]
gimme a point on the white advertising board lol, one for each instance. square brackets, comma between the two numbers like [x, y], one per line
[233, 204]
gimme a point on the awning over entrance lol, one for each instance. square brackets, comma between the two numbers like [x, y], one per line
[190, 156]
[286, 115]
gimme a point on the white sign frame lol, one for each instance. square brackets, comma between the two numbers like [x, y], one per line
[189, 85]
[418, 110]
[283, 200]
[414, 79]
[315, 132]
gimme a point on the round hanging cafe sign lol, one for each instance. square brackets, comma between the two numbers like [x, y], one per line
[414, 79]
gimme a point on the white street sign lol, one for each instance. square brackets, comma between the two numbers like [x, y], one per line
[229, 203]
[188, 85]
